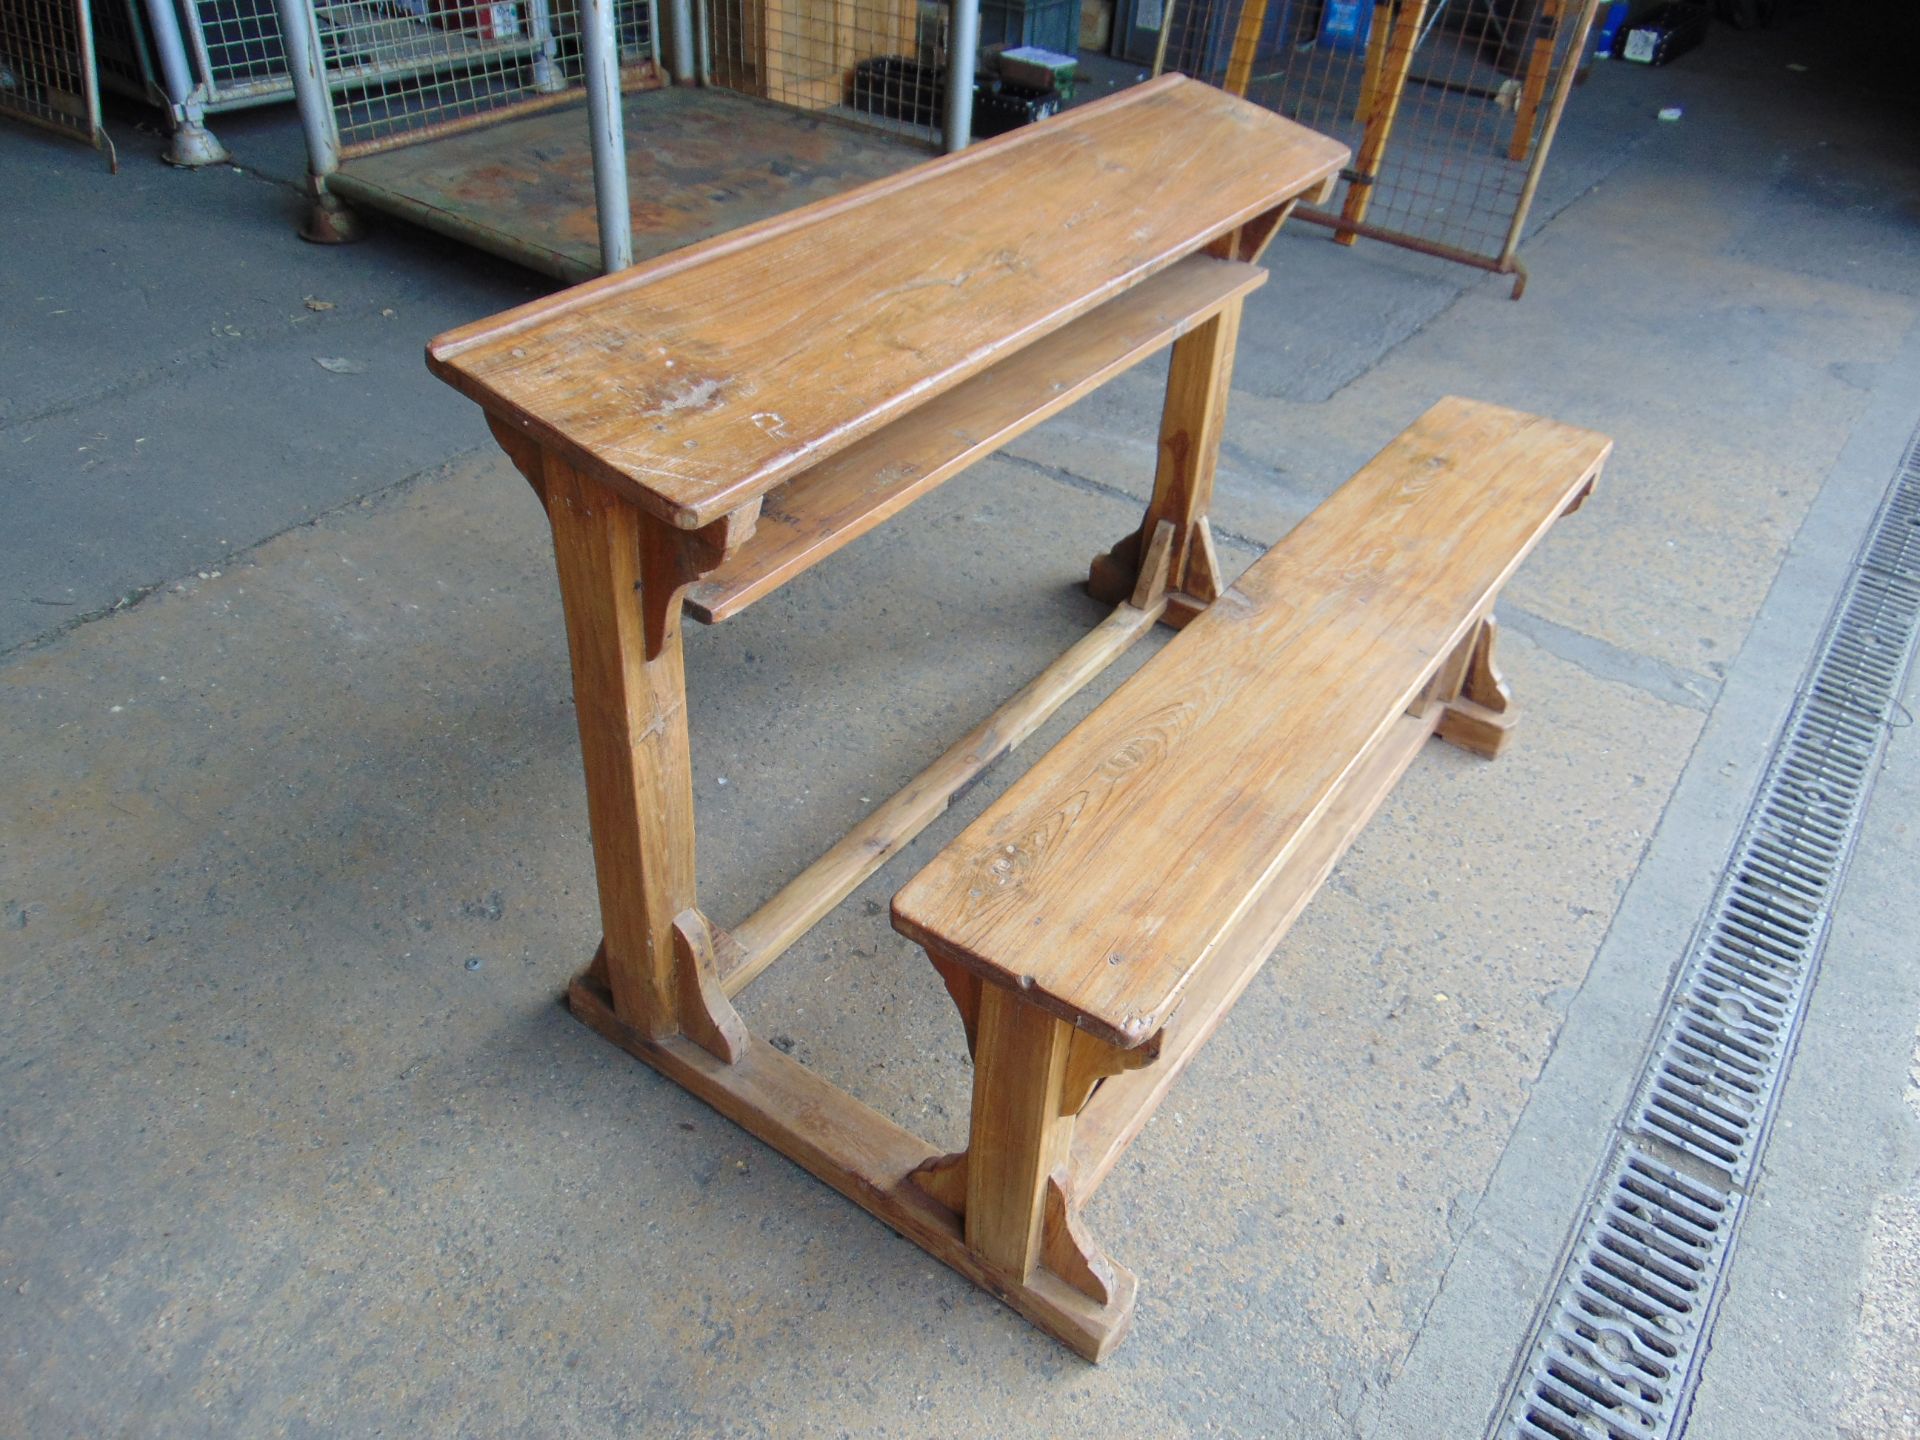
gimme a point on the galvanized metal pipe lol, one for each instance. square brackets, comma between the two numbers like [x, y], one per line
[683, 61]
[963, 48]
[547, 78]
[192, 143]
[609, 134]
[300, 35]
[171, 51]
[196, 35]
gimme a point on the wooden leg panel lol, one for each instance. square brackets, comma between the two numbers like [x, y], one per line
[1480, 716]
[867, 1158]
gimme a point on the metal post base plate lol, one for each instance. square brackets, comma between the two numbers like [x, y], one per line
[192, 146]
[330, 222]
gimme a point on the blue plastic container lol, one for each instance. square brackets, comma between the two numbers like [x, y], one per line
[1346, 24]
[1606, 29]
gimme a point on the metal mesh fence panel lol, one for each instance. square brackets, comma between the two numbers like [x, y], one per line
[402, 70]
[1447, 105]
[121, 52]
[880, 62]
[233, 49]
[410, 64]
[235, 45]
[46, 65]
[636, 26]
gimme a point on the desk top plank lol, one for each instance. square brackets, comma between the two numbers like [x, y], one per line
[1104, 880]
[835, 502]
[696, 382]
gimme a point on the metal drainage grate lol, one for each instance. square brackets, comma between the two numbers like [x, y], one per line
[1615, 1353]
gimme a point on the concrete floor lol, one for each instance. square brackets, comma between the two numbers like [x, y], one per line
[293, 856]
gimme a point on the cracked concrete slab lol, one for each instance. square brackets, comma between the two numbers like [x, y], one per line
[164, 408]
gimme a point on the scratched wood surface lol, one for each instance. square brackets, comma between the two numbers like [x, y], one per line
[1106, 877]
[698, 381]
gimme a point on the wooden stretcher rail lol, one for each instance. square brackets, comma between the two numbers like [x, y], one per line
[1096, 923]
[1247, 731]
[764, 936]
[837, 501]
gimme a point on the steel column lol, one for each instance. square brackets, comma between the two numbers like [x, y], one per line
[609, 132]
[963, 46]
[192, 144]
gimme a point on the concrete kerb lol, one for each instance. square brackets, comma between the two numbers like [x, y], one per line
[1471, 1338]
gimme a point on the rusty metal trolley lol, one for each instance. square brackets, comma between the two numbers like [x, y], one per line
[517, 144]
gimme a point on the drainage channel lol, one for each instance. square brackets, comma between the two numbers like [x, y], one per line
[1615, 1352]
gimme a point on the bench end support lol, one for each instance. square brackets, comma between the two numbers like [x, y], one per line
[1480, 717]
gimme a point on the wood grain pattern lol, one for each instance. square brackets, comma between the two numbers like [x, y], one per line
[1018, 1136]
[707, 1017]
[632, 713]
[698, 381]
[1068, 1250]
[1122, 1105]
[1192, 418]
[842, 498]
[1480, 717]
[1109, 875]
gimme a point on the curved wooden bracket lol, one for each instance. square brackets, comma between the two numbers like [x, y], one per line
[1091, 1060]
[523, 450]
[1066, 1248]
[1485, 685]
[672, 559]
[1202, 579]
[1114, 572]
[964, 986]
[1156, 570]
[1249, 242]
[944, 1178]
[707, 1017]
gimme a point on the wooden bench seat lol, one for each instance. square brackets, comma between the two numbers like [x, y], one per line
[1101, 916]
